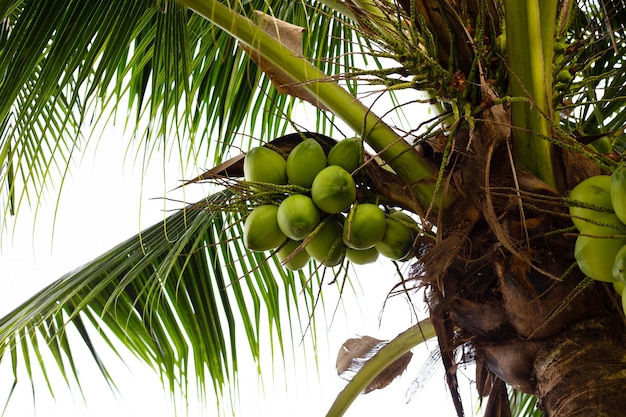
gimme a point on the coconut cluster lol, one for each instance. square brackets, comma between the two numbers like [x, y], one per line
[318, 215]
[598, 211]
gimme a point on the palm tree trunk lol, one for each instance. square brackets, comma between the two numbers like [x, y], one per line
[563, 342]
[582, 372]
[503, 283]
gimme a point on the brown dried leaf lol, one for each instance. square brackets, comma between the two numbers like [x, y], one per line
[390, 373]
[498, 404]
[355, 353]
[288, 34]
[291, 37]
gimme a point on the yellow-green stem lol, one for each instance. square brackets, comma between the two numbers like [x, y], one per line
[404, 342]
[530, 28]
[412, 167]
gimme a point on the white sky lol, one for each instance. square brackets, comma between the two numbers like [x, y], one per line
[103, 186]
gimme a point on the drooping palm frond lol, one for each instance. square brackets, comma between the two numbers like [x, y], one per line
[179, 296]
[179, 81]
[169, 293]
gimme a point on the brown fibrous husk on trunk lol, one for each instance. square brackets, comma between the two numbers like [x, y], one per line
[502, 283]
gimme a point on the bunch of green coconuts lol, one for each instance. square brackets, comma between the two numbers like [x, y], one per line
[599, 213]
[323, 220]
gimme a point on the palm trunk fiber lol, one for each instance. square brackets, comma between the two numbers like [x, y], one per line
[582, 373]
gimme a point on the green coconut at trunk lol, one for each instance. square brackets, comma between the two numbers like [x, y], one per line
[397, 241]
[596, 256]
[619, 266]
[594, 191]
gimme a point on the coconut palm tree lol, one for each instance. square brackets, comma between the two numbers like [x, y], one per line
[530, 98]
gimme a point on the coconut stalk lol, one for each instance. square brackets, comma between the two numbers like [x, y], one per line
[412, 167]
[530, 30]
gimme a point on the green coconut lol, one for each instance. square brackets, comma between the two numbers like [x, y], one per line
[304, 162]
[602, 145]
[564, 76]
[261, 231]
[407, 221]
[262, 164]
[619, 265]
[364, 226]
[297, 216]
[297, 260]
[397, 241]
[347, 153]
[596, 256]
[603, 224]
[362, 257]
[596, 192]
[559, 47]
[618, 192]
[333, 189]
[326, 245]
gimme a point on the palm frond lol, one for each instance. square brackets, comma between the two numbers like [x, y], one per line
[523, 405]
[179, 296]
[180, 82]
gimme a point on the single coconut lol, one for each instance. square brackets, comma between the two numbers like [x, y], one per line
[362, 257]
[304, 162]
[619, 265]
[596, 256]
[262, 164]
[297, 260]
[596, 192]
[398, 240]
[326, 245]
[409, 222]
[333, 189]
[297, 216]
[261, 231]
[347, 153]
[364, 226]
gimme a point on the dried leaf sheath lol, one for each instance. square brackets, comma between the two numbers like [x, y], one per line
[291, 37]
